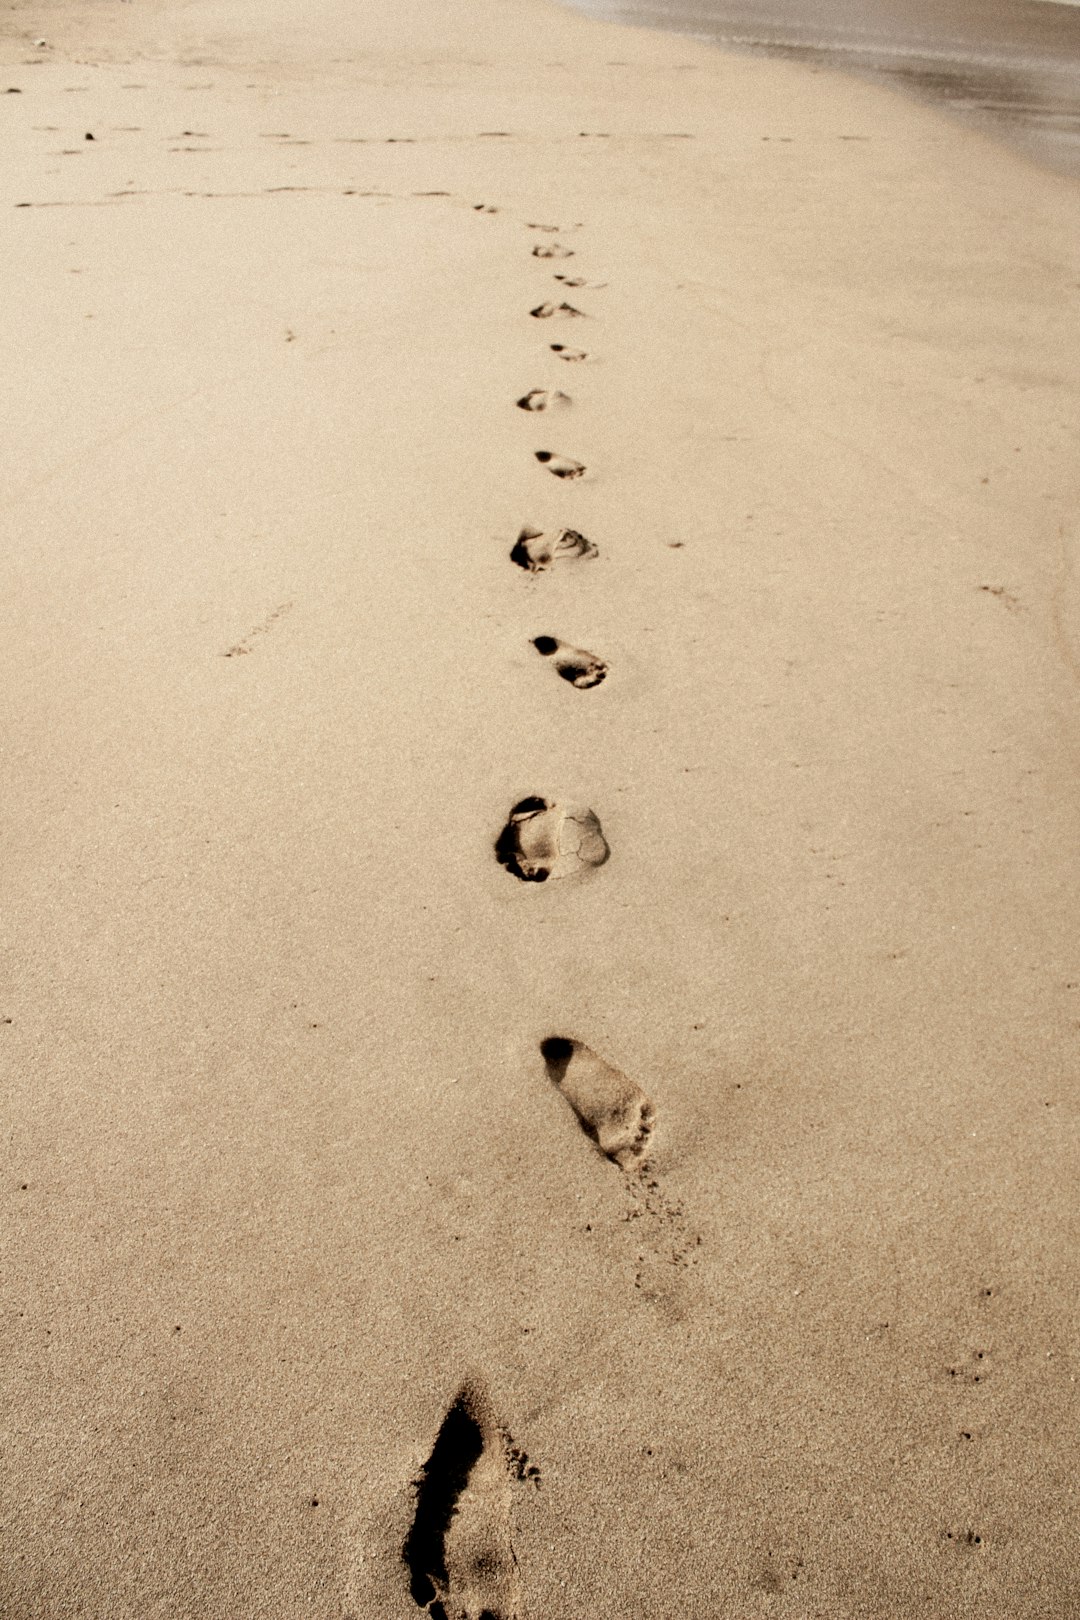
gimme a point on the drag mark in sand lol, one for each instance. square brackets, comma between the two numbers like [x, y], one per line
[544, 840]
[260, 629]
[619, 1117]
[582, 669]
[459, 1552]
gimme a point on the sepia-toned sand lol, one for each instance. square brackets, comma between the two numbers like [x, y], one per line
[753, 1293]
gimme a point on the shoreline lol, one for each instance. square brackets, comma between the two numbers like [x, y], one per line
[1023, 89]
[712, 1198]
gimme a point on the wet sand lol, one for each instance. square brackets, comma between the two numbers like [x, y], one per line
[539, 946]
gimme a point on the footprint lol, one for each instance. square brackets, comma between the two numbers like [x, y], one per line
[544, 312]
[552, 250]
[561, 466]
[542, 399]
[459, 1551]
[582, 669]
[568, 354]
[538, 551]
[543, 840]
[613, 1111]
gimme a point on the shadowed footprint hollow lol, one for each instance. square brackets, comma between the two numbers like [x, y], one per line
[582, 669]
[459, 1552]
[561, 466]
[542, 399]
[536, 551]
[544, 840]
[545, 312]
[611, 1109]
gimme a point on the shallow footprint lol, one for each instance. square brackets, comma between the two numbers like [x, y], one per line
[538, 551]
[552, 250]
[613, 1111]
[568, 354]
[544, 312]
[582, 669]
[459, 1553]
[542, 399]
[561, 466]
[542, 840]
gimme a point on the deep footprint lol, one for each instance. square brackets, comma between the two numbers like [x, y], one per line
[542, 399]
[542, 840]
[458, 1552]
[552, 250]
[568, 354]
[544, 312]
[561, 466]
[582, 669]
[612, 1111]
[537, 551]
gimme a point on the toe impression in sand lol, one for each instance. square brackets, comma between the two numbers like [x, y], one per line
[582, 669]
[611, 1110]
[544, 840]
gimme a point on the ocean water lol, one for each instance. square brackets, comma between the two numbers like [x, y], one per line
[1010, 66]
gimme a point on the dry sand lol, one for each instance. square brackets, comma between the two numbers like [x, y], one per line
[287, 1175]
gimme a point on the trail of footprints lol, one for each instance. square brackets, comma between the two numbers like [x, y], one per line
[459, 1550]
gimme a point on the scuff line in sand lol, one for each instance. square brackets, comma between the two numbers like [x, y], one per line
[260, 629]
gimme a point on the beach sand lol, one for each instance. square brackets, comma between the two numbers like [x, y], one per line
[752, 1293]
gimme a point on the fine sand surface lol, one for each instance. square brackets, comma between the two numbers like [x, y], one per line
[693, 1233]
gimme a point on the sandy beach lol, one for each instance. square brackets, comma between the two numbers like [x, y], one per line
[540, 979]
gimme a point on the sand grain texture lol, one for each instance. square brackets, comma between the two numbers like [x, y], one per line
[284, 1169]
